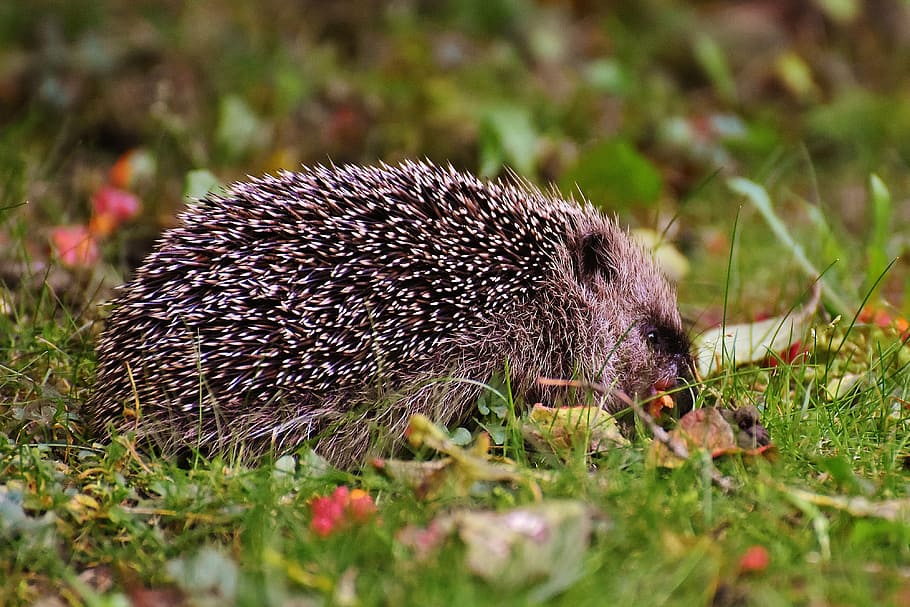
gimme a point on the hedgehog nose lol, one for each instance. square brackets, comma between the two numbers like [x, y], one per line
[684, 396]
[685, 391]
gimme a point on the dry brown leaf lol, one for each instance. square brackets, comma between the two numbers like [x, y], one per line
[718, 431]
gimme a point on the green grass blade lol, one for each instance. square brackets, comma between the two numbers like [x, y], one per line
[758, 196]
[877, 257]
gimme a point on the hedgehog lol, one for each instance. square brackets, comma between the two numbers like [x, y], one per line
[324, 307]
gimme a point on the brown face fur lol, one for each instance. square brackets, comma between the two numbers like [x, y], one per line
[635, 325]
[608, 316]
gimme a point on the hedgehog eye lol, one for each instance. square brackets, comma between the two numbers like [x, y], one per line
[652, 336]
[593, 258]
[664, 340]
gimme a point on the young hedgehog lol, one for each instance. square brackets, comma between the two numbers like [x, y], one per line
[324, 304]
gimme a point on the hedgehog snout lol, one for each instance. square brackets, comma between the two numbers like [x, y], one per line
[678, 381]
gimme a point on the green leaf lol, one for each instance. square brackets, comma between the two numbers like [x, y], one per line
[461, 436]
[841, 470]
[239, 128]
[209, 572]
[796, 76]
[613, 174]
[877, 250]
[198, 183]
[841, 11]
[507, 137]
[710, 57]
[608, 76]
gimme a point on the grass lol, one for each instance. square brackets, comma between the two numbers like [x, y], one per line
[96, 525]
[85, 523]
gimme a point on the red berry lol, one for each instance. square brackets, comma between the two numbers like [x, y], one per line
[756, 558]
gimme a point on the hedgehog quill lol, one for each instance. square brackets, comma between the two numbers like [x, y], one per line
[329, 304]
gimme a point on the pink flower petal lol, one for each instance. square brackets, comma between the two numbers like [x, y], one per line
[75, 246]
[119, 204]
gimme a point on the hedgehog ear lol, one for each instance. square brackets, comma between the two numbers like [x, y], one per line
[592, 257]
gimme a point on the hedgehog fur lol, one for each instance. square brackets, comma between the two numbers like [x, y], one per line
[330, 304]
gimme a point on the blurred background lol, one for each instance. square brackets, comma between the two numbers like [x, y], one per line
[112, 112]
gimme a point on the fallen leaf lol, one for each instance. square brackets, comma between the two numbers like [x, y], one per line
[427, 479]
[543, 543]
[83, 507]
[561, 430]
[669, 259]
[140, 596]
[424, 541]
[467, 465]
[706, 428]
[897, 510]
[209, 574]
[717, 431]
[753, 342]
[839, 387]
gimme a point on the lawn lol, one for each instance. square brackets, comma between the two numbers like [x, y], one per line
[764, 144]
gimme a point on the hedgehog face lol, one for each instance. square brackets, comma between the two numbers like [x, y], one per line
[672, 360]
[638, 343]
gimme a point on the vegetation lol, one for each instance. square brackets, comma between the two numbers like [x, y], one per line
[768, 142]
